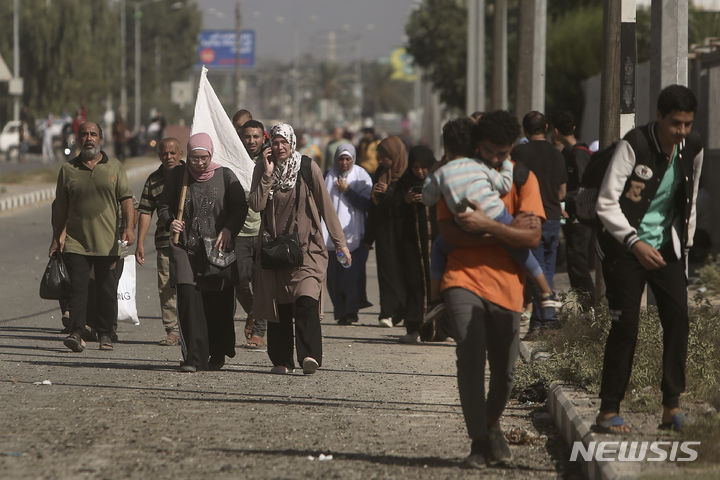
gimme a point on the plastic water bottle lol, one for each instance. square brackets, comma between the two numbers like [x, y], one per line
[343, 260]
[123, 249]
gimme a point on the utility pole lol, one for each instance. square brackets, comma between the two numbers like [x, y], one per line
[138, 93]
[475, 79]
[669, 36]
[16, 56]
[617, 95]
[238, 47]
[532, 34]
[500, 63]
[123, 62]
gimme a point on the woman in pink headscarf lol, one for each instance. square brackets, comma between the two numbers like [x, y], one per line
[214, 208]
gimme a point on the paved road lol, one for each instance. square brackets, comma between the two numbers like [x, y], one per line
[382, 410]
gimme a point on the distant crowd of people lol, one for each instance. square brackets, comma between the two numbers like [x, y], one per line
[454, 241]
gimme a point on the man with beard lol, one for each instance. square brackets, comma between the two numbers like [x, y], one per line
[89, 189]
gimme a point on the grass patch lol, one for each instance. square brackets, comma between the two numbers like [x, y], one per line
[578, 346]
[710, 274]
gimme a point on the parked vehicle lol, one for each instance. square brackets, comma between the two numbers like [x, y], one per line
[10, 139]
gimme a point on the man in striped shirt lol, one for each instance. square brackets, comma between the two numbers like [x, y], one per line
[170, 154]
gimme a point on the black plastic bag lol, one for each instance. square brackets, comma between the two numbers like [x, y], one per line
[55, 282]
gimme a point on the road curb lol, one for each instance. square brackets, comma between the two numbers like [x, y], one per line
[47, 194]
[573, 427]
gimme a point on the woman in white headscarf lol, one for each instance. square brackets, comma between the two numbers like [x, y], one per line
[349, 186]
[284, 293]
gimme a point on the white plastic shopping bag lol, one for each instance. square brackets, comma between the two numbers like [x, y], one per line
[210, 118]
[127, 307]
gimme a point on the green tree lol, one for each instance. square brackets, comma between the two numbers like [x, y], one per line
[70, 52]
[63, 52]
[437, 41]
[383, 94]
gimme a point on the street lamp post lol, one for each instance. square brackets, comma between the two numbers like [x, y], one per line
[16, 56]
[123, 62]
[138, 93]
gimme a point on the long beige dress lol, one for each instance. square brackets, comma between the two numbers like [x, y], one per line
[273, 287]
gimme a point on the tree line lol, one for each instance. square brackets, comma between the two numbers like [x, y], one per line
[70, 52]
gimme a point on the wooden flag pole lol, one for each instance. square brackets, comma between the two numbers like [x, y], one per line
[181, 206]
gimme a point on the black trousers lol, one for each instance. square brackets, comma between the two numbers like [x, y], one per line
[390, 276]
[578, 242]
[206, 324]
[308, 335]
[625, 280]
[104, 292]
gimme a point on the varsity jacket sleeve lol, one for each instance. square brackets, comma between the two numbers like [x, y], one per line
[692, 220]
[608, 202]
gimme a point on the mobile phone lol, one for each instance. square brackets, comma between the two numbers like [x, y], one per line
[465, 206]
[417, 189]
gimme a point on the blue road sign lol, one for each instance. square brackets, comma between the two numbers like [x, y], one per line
[216, 48]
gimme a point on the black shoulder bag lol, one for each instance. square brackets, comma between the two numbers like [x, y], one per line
[284, 251]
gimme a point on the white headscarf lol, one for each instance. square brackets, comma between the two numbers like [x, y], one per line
[285, 174]
[352, 218]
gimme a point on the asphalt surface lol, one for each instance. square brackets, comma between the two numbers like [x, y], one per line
[380, 409]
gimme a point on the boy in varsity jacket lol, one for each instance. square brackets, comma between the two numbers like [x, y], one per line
[646, 205]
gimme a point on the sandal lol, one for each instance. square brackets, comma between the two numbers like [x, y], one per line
[170, 340]
[254, 342]
[676, 424]
[612, 425]
[249, 326]
[74, 342]
[106, 342]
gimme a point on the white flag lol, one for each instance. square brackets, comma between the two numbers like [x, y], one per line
[210, 118]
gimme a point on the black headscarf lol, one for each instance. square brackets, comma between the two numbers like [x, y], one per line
[426, 158]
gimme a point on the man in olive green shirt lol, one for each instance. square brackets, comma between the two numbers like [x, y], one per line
[89, 189]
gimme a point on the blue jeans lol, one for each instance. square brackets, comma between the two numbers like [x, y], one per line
[546, 254]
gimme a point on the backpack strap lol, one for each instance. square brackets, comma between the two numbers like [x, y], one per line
[305, 174]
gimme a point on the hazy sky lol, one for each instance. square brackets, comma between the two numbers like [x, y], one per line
[368, 28]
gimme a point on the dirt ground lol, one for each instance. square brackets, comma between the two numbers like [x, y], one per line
[380, 409]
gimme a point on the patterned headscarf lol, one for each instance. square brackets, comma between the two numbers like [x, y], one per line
[285, 174]
[343, 149]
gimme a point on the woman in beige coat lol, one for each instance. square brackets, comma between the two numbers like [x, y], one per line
[283, 293]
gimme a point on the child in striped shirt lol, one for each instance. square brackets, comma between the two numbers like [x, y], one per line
[464, 179]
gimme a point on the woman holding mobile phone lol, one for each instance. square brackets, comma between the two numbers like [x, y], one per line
[288, 188]
[419, 228]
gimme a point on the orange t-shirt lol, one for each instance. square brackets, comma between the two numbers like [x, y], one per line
[488, 270]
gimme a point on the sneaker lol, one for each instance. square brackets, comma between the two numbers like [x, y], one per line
[479, 449]
[310, 365]
[550, 300]
[412, 338]
[525, 318]
[499, 450]
[281, 370]
[171, 339]
[385, 322]
[434, 312]
[476, 461]
[187, 368]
